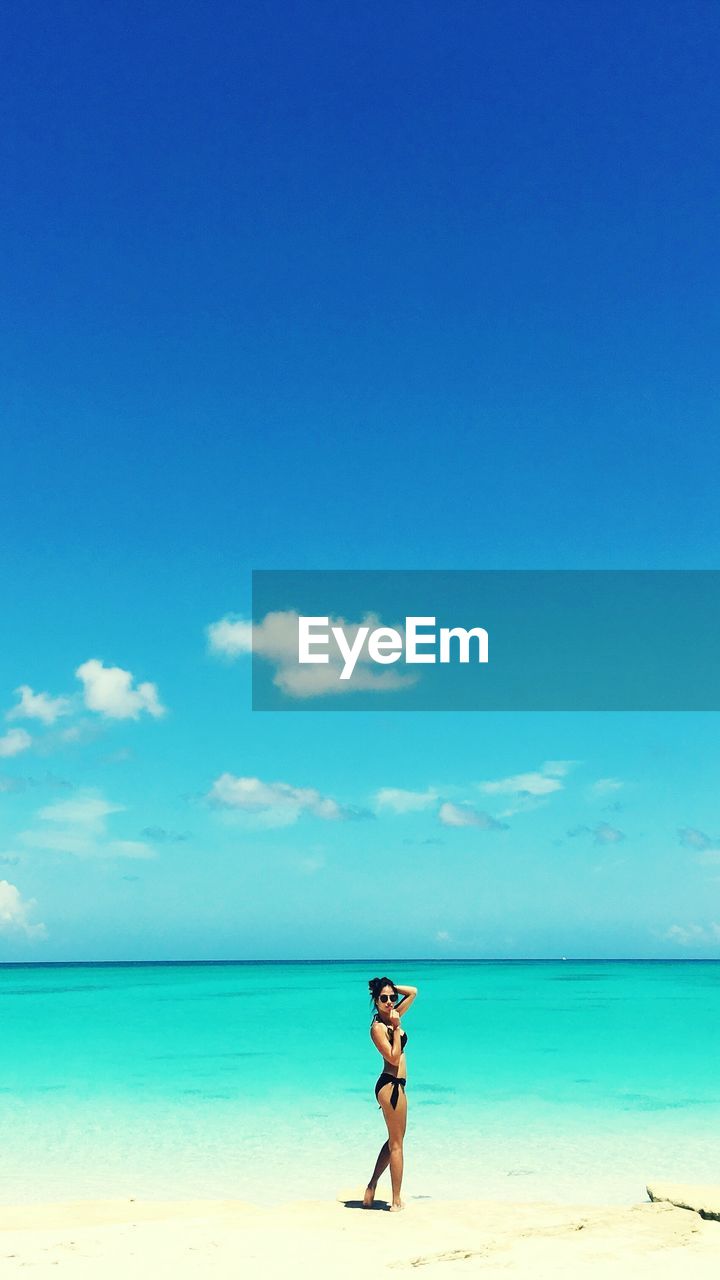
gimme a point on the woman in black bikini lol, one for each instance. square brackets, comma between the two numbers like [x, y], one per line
[390, 1085]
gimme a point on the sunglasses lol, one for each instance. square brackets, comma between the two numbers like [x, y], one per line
[386, 999]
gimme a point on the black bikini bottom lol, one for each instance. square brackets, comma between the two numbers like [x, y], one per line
[396, 1081]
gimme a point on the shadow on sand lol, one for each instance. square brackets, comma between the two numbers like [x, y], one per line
[358, 1204]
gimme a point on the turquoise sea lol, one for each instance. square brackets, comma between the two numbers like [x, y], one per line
[567, 1081]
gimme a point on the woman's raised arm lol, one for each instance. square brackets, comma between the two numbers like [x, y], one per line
[408, 995]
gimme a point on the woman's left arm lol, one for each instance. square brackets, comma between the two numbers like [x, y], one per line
[408, 995]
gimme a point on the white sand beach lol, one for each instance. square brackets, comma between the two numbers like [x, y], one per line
[442, 1239]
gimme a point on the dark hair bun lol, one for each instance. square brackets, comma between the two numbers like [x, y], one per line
[376, 985]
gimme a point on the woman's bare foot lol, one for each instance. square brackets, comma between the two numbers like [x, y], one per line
[395, 1208]
[369, 1196]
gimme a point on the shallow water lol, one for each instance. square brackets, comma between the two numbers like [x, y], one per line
[556, 1080]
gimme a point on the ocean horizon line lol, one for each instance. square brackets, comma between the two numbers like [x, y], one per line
[371, 960]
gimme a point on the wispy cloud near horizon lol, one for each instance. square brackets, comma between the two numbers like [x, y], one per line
[528, 790]
[15, 911]
[277, 804]
[398, 800]
[694, 935]
[464, 815]
[78, 826]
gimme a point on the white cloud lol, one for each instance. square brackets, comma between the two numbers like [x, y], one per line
[558, 768]
[694, 935]
[38, 706]
[110, 691]
[273, 804]
[14, 741]
[79, 827]
[14, 910]
[399, 801]
[528, 789]
[276, 640]
[606, 786]
[230, 637]
[86, 811]
[463, 815]
[538, 783]
[317, 681]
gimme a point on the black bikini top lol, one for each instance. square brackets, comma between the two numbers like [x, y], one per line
[403, 1036]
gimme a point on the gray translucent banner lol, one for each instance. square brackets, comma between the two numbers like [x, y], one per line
[537, 640]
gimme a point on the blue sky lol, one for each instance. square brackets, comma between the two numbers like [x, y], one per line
[335, 288]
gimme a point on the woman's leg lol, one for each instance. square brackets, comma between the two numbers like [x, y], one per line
[381, 1165]
[396, 1121]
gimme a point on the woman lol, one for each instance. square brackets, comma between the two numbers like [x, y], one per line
[390, 1084]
